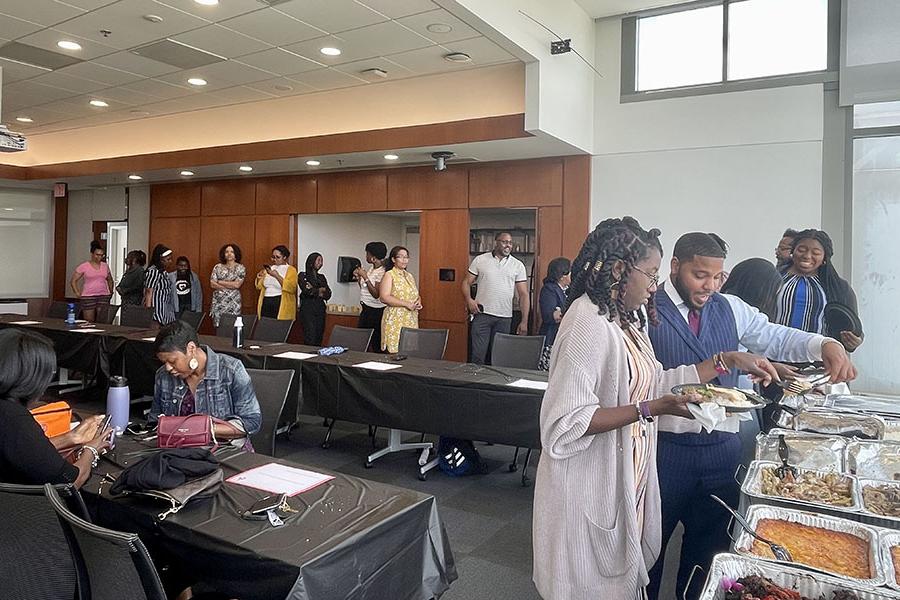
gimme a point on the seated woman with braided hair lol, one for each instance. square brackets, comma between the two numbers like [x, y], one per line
[596, 503]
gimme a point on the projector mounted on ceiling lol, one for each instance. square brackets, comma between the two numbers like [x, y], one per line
[11, 141]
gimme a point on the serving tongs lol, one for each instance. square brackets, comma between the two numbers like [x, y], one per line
[798, 387]
[785, 469]
[781, 553]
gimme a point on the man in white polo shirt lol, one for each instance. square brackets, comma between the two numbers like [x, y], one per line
[499, 276]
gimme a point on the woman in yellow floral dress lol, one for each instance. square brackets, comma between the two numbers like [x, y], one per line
[399, 292]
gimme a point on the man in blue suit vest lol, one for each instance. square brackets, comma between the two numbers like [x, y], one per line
[695, 323]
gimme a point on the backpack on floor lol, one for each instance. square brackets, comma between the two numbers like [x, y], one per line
[459, 457]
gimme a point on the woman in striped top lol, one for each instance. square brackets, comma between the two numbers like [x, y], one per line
[810, 282]
[158, 287]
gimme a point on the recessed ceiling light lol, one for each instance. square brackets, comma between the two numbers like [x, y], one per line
[283, 87]
[24, 120]
[207, 2]
[439, 28]
[153, 18]
[8, 209]
[313, 163]
[135, 177]
[458, 57]
[376, 72]
[391, 157]
[186, 173]
[196, 81]
[245, 168]
[139, 113]
[98, 103]
[329, 51]
[68, 45]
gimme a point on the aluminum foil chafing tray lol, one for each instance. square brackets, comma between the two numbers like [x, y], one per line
[870, 516]
[805, 450]
[890, 539]
[891, 429]
[808, 584]
[873, 459]
[757, 512]
[832, 422]
[752, 487]
[882, 405]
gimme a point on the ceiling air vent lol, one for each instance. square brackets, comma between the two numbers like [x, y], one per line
[37, 57]
[177, 54]
[272, 2]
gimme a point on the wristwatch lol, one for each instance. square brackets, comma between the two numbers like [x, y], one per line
[644, 412]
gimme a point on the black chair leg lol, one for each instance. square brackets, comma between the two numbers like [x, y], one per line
[514, 465]
[525, 480]
[326, 443]
[372, 431]
[325, 422]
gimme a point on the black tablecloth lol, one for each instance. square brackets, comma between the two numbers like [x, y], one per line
[351, 538]
[89, 353]
[445, 398]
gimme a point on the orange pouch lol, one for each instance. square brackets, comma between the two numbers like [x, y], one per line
[54, 418]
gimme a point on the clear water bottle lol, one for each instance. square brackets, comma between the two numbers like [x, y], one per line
[70, 315]
[237, 339]
[118, 403]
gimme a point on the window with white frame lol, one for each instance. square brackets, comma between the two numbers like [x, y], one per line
[25, 238]
[725, 41]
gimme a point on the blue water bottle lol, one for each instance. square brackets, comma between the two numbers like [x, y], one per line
[70, 315]
[118, 403]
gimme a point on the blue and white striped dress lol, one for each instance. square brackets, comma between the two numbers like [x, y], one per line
[800, 303]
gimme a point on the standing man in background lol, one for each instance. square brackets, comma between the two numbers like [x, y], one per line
[372, 307]
[499, 276]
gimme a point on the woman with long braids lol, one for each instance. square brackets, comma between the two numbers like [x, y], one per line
[596, 502]
[810, 282]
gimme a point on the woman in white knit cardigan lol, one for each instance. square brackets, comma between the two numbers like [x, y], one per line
[596, 501]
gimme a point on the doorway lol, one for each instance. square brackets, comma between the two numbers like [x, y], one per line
[113, 238]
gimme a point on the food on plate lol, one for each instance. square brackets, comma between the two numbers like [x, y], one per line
[882, 499]
[720, 395]
[757, 587]
[895, 560]
[833, 551]
[830, 488]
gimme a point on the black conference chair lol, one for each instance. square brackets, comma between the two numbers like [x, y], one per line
[193, 318]
[106, 313]
[35, 560]
[110, 565]
[226, 325]
[271, 330]
[60, 310]
[271, 391]
[517, 352]
[351, 338]
[423, 343]
[136, 316]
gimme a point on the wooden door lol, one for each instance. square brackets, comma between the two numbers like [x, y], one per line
[444, 238]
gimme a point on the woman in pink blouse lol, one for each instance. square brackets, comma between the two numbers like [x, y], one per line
[97, 282]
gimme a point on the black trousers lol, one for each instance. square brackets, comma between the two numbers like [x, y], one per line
[692, 466]
[482, 330]
[270, 307]
[312, 318]
[370, 318]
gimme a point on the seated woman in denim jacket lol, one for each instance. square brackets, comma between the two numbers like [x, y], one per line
[196, 380]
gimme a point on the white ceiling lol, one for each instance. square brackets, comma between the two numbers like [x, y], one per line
[270, 52]
[607, 8]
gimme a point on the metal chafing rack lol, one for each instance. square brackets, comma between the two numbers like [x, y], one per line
[807, 583]
[756, 513]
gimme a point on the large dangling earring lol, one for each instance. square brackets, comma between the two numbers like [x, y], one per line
[193, 364]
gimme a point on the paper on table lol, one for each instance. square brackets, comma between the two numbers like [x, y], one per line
[295, 355]
[377, 366]
[528, 383]
[150, 339]
[25, 322]
[87, 330]
[280, 479]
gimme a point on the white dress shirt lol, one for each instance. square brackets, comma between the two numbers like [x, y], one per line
[758, 335]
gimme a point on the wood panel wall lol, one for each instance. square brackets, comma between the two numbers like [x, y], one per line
[197, 218]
